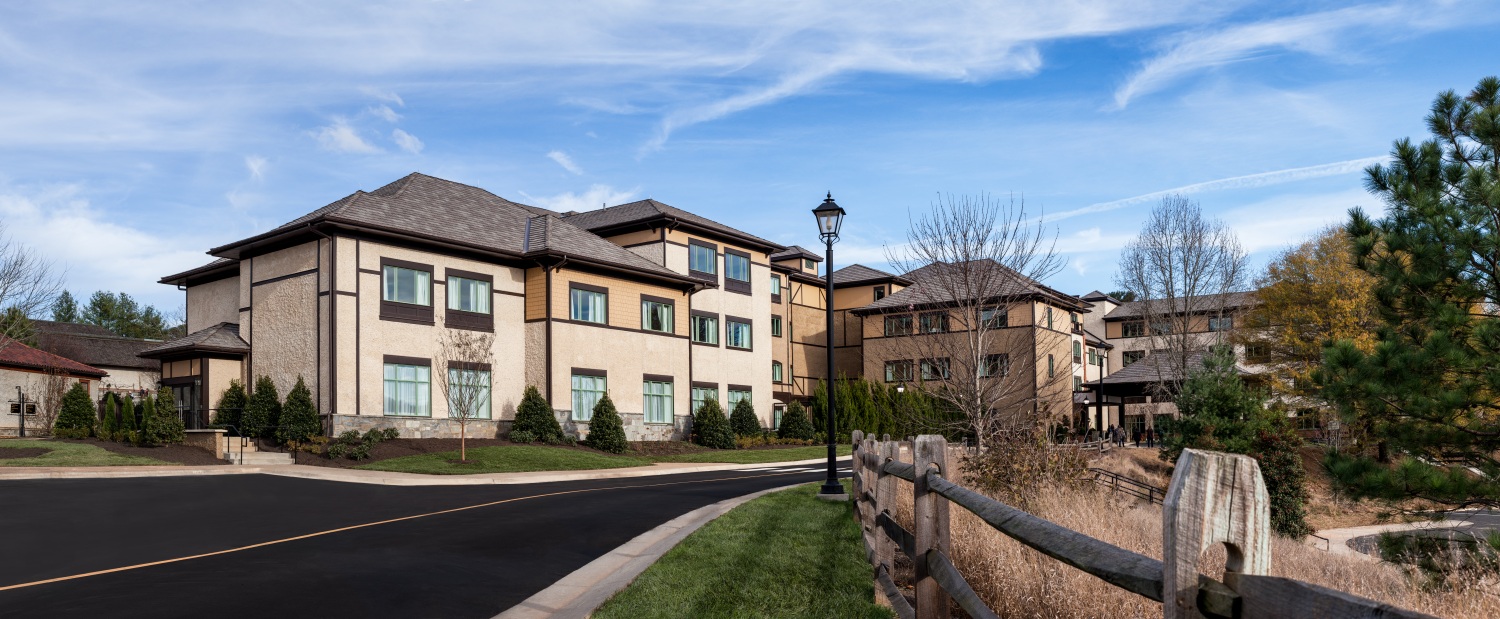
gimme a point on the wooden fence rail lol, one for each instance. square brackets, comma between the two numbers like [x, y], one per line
[1214, 498]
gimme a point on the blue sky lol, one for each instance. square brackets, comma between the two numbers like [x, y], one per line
[133, 138]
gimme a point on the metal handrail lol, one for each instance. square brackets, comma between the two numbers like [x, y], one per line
[1140, 489]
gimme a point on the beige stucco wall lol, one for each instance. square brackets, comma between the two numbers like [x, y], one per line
[286, 338]
[626, 357]
[377, 338]
[220, 373]
[130, 379]
[212, 303]
[31, 383]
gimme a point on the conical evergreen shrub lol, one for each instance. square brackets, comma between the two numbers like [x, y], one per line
[710, 428]
[795, 423]
[147, 432]
[606, 429]
[299, 416]
[169, 421]
[743, 420]
[110, 424]
[127, 419]
[76, 420]
[231, 406]
[262, 409]
[535, 418]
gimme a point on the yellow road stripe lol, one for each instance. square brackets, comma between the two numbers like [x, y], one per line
[372, 524]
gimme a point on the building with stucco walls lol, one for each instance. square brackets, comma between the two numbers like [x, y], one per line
[41, 378]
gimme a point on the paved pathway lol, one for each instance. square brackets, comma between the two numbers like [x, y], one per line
[1473, 520]
[257, 545]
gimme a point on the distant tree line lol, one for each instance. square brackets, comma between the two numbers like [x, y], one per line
[118, 312]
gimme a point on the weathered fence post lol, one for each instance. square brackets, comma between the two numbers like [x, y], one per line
[930, 515]
[1214, 497]
[885, 500]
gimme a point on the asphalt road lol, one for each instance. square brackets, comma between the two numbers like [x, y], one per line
[503, 544]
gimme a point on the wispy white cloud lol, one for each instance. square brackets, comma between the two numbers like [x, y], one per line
[595, 197]
[383, 95]
[407, 141]
[565, 161]
[383, 112]
[341, 137]
[257, 165]
[1247, 181]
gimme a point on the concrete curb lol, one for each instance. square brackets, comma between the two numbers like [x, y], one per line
[578, 594]
[387, 478]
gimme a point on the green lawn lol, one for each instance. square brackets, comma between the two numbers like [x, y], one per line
[506, 459]
[754, 456]
[72, 454]
[786, 554]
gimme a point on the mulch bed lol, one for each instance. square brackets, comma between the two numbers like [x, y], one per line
[180, 454]
[675, 448]
[17, 453]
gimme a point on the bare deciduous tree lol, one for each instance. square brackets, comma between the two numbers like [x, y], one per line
[48, 388]
[976, 265]
[463, 376]
[28, 286]
[1182, 268]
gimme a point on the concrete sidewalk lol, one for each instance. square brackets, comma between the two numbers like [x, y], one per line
[1338, 539]
[389, 478]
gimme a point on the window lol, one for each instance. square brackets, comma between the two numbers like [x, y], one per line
[1223, 323]
[408, 390]
[469, 390]
[776, 371]
[403, 285]
[994, 318]
[658, 405]
[776, 413]
[703, 258]
[1049, 317]
[995, 365]
[898, 325]
[656, 315]
[587, 389]
[807, 263]
[1161, 327]
[1051, 366]
[735, 395]
[1134, 328]
[589, 304]
[1077, 351]
[736, 266]
[468, 295]
[705, 330]
[934, 369]
[776, 286]
[1131, 356]
[775, 326]
[1078, 383]
[935, 323]
[1093, 356]
[702, 395]
[1257, 353]
[898, 371]
[736, 333]
[879, 292]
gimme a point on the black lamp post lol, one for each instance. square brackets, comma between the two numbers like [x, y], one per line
[830, 216]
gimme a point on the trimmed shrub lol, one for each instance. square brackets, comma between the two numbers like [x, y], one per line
[147, 431]
[391, 433]
[110, 424]
[522, 436]
[127, 419]
[231, 405]
[710, 428]
[263, 408]
[795, 423]
[743, 420]
[299, 416]
[535, 416]
[168, 427]
[606, 429]
[77, 414]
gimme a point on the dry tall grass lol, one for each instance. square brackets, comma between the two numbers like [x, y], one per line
[1017, 581]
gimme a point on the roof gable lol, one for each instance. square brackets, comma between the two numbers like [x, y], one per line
[642, 211]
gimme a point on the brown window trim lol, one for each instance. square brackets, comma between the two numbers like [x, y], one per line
[698, 384]
[410, 313]
[400, 360]
[588, 287]
[590, 372]
[745, 388]
[738, 319]
[647, 297]
[657, 378]
[702, 314]
[469, 321]
[488, 279]
[713, 277]
[775, 319]
[473, 367]
[746, 321]
[406, 264]
[735, 285]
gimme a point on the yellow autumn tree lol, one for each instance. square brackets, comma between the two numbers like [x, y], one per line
[1309, 295]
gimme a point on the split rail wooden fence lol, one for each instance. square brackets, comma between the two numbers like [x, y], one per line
[1214, 498]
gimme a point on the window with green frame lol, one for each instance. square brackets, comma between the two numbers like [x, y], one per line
[705, 330]
[776, 371]
[734, 398]
[775, 326]
[737, 334]
[460, 384]
[468, 295]
[408, 390]
[775, 285]
[587, 390]
[703, 259]
[404, 285]
[658, 404]
[588, 305]
[1051, 366]
[702, 395]
[656, 316]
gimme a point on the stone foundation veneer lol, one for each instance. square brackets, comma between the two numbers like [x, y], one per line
[636, 428]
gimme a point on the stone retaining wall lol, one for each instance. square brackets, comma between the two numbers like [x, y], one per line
[636, 428]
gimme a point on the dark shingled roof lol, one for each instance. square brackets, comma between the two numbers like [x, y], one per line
[1157, 367]
[646, 210]
[92, 345]
[861, 274]
[927, 289]
[17, 355]
[795, 251]
[223, 337]
[432, 208]
[1229, 300]
[1100, 296]
[1095, 341]
[177, 278]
